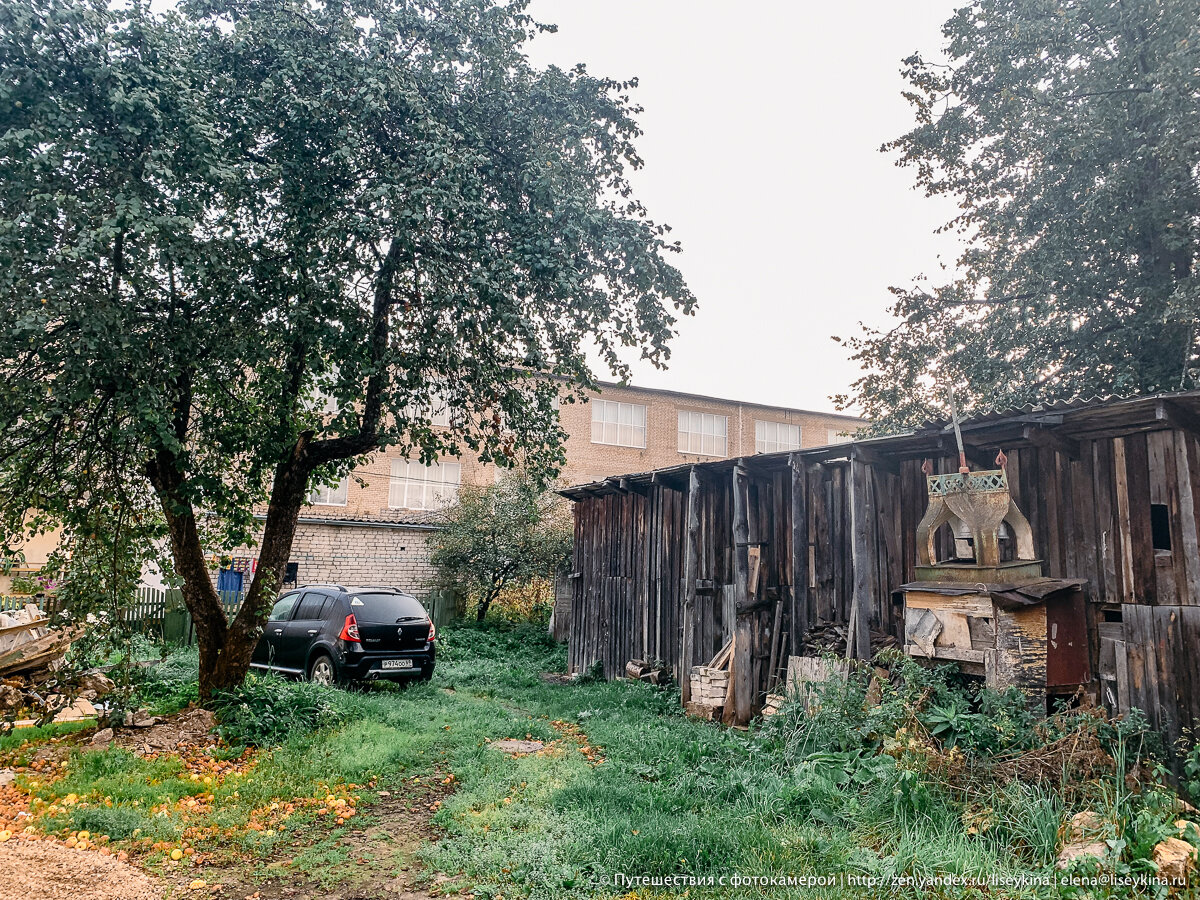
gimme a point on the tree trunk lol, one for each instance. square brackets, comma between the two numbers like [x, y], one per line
[283, 512]
[226, 647]
[199, 594]
[486, 603]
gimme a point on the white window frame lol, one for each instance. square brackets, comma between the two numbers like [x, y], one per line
[775, 437]
[330, 495]
[414, 485]
[619, 424]
[703, 434]
[435, 409]
[836, 437]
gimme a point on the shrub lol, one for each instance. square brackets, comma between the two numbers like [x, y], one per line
[264, 710]
[531, 602]
[494, 537]
[1191, 773]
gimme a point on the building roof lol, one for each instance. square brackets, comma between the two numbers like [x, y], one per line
[665, 392]
[1059, 426]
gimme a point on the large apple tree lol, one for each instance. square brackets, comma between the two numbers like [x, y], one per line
[244, 242]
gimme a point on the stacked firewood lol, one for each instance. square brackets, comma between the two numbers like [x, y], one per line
[830, 638]
[640, 670]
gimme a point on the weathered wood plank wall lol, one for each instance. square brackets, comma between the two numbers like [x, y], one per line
[1096, 505]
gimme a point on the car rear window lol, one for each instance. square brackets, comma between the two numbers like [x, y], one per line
[384, 608]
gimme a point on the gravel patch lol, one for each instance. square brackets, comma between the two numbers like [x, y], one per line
[41, 870]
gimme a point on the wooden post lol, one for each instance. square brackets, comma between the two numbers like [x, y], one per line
[858, 638]
[738, 705]
[776, 644]
[691, 571]
[801, 612]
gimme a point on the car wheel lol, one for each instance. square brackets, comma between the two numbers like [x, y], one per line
[427, 674]
[322, 670]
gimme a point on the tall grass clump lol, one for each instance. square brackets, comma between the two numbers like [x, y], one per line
[265, 710]
[939, 772]
[169, 684]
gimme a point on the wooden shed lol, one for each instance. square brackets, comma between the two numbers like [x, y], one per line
[674, 563]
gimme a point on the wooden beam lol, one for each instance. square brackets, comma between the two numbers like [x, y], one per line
[1049, 439]
[1173, 415]
[858, 638]
[776, 644]
[801, 616]
[976, 452]
[691, 570]
[874, 460]
[741, 691]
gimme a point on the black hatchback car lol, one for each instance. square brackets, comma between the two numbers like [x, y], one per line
[333, 634]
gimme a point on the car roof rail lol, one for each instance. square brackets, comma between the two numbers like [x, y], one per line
[320, 584]
[386, 587]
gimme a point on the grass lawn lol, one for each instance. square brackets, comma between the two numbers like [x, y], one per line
[626, 785]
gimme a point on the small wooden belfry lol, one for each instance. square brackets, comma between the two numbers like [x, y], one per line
[1002, 619]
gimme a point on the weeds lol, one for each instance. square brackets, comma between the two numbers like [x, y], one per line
[937, 777]
[265, 710]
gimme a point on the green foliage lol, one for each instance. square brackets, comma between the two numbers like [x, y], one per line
[24, 740]
[25, 583]
[170, 684]
[216, 288]
[935, 700]
[592, 674]
[1067, 137]
[265, 710]
[672, 796]
[986, 722]
[532, 602]
[118, 822]
[1191, 773]
[513, 533]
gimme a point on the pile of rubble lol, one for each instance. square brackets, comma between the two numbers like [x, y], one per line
[38, 696]
[32, 684]
[28, 643]
[1088, 834]
[145, 734]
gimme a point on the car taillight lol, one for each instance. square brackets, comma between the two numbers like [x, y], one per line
[432, 630]
[350, 630]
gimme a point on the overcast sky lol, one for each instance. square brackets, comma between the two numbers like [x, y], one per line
[763, 124]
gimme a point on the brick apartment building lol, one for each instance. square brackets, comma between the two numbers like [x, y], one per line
[374, 526]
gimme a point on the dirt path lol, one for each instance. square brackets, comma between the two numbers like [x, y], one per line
[382, 859]
[382, 863]
[44, 870]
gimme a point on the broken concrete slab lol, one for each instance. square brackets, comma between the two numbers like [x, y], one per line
[140, 719]
[97, 684]
[103, 736]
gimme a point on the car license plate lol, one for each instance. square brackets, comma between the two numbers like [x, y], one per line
[397, 664]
